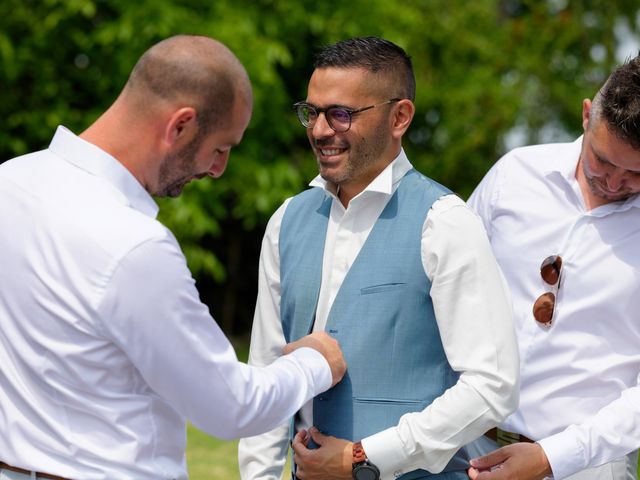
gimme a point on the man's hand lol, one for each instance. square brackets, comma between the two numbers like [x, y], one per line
[328, 347]
[520, 461]
[330, 461]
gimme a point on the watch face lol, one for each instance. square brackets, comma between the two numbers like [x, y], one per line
[366, 472]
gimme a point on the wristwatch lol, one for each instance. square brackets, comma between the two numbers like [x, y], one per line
[362, 468]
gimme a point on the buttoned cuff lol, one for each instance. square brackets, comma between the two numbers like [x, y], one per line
[564, 454]
[318, 367]
[386, 451]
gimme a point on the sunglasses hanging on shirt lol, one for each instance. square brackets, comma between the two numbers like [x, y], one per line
[544, 306]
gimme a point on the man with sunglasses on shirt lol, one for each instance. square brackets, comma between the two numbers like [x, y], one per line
[575, 208]
[399, 270]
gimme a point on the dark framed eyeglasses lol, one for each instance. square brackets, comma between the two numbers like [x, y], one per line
[339, 118]
[543, 308]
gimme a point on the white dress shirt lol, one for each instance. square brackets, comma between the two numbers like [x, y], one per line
[472, 310]
[579, 378]
[105, 347]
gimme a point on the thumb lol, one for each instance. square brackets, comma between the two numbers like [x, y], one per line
[317, 436]
[490, 460]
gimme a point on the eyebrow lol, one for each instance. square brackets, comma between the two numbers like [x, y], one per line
[333, 105]
[605, 160]
[599, 156]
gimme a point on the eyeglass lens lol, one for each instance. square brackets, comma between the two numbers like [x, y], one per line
[338, 118]
[545, 304]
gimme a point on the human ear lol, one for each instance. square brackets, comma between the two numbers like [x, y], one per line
[402, 116]
[182, 124]
[586, 110]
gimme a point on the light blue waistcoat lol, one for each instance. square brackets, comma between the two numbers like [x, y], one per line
[382, 315]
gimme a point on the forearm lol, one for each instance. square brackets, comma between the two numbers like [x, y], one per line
[429, 439]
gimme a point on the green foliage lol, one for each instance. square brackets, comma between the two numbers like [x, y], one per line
[482, 67]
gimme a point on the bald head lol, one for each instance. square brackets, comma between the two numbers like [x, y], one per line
[190, 70]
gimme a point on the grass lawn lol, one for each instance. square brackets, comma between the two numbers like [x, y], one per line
[211, 459]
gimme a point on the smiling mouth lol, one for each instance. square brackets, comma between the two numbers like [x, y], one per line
[331, 151]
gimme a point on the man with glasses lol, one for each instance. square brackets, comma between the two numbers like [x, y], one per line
[564, 223]
[395, 267]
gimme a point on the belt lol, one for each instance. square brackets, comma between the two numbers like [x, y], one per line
[502, 437]
[5, 466]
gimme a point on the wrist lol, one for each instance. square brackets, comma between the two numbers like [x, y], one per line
[362, 468]
[544, 463]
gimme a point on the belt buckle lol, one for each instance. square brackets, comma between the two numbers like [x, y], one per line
[506, 438]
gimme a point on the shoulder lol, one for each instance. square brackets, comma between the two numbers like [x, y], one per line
[82, 209]
[452, 213]
[416, 180]
[518, 168]
[541, 157]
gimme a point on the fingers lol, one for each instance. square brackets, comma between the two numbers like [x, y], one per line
[333, 354]
[328, 347]
[490, 460]
[495, 473]
[316, 436]
[300, 452]
[300, 441]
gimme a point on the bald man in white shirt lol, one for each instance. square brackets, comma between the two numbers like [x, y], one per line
[105, 347]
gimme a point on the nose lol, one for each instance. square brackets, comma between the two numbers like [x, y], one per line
[615, 180]
[321, 128]
[219, 165]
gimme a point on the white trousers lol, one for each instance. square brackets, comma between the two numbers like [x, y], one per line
[625, 468]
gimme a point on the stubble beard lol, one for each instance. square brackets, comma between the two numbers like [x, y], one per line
[596, 188]
[361, 155]
[177, 169]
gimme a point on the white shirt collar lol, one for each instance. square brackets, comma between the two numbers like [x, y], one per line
[90, 158]
[385, 183]
[567, 169]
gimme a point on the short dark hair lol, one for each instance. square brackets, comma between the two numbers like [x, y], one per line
[618, 103]
[376, 55]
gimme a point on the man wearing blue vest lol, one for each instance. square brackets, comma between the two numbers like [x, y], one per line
[400, 272]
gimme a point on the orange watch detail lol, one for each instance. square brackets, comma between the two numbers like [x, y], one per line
[358, 453]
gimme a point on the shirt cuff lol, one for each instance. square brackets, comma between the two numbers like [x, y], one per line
[317, 366]
[386, 451]
[564, 454]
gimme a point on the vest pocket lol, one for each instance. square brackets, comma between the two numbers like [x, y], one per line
[389, 401]
[374, 414]
[382, 288]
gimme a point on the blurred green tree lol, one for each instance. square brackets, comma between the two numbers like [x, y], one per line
[490, 74]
